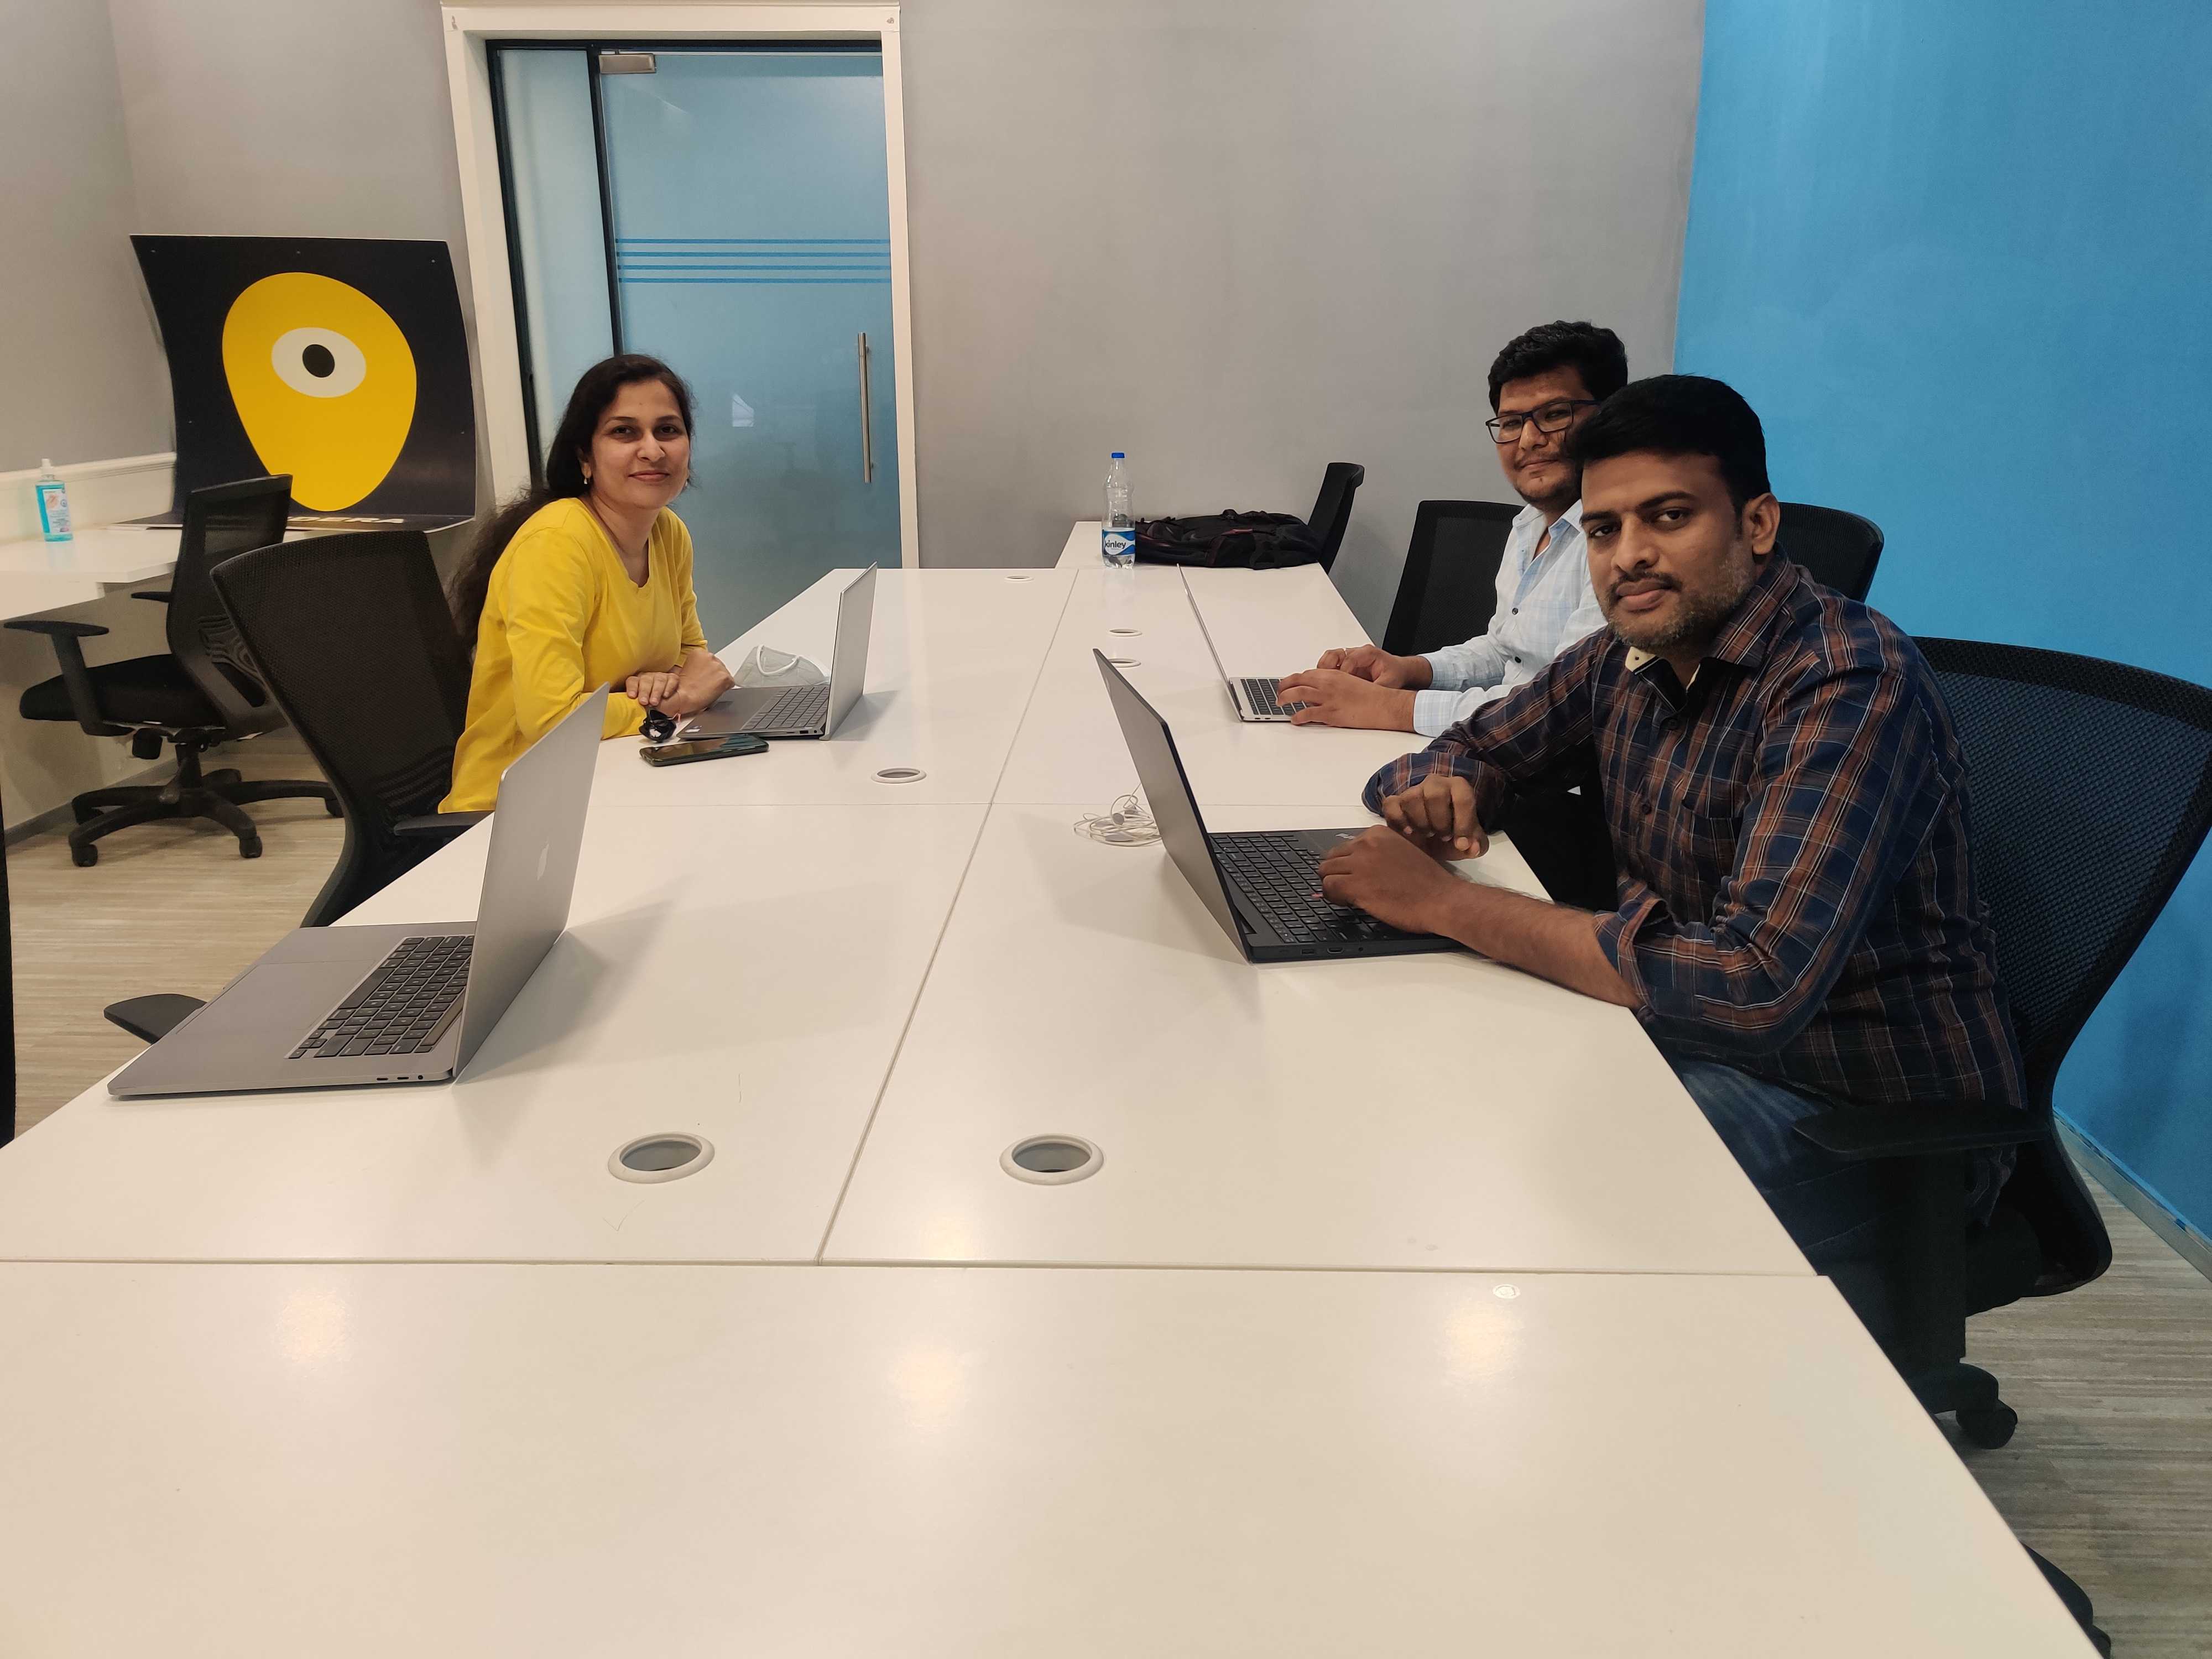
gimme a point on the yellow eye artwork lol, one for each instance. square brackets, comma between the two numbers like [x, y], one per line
[324, 383]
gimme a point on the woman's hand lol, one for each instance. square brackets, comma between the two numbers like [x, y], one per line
[700, 680]
[654, 688]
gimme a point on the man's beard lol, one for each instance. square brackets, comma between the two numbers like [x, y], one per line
[1697, 619]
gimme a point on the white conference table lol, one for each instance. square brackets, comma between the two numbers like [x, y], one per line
[747, 972]
[952, 657]
[1421, 1111]
[987, 1463]
[742, 974]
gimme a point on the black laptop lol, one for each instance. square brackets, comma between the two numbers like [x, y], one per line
[1262, 886]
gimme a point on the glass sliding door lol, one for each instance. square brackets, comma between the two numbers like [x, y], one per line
[741, 200]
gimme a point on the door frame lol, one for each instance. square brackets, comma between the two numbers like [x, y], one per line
[468, 29]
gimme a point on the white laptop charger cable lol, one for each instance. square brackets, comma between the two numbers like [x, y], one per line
[1124, 823]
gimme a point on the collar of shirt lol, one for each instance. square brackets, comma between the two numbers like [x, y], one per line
[1529, 529]
[1744, 639]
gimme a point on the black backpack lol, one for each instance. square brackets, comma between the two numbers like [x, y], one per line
[1262, 541]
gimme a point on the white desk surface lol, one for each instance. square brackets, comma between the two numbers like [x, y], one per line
[38, 575]
[1428, 1111]
[1070, 748]
[744, 974]
[212, 1460]
[952, 657]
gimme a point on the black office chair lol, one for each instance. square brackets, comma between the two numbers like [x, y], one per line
[2092, 792]
[205, 691]
[2112, 765]
[1449, 587]
[1332, 509]
[356, 643]
[1839, 550]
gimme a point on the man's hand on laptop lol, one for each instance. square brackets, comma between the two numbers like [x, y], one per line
[1437, 816]
[1391, 878]
[1333, 697]
[1372, 662]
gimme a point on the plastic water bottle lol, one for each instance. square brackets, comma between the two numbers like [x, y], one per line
[1118, 534]
[54, 509]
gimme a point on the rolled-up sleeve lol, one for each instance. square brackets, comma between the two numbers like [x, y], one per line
[1845, 794]
[1515, 735]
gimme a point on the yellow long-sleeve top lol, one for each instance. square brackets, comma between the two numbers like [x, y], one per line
[562, 619]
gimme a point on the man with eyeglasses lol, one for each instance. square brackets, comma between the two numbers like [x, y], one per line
[1542, 386]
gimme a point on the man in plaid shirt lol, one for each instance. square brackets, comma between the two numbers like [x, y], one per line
[1795, 918]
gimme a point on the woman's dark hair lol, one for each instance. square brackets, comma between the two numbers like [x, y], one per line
[1679, 415]
[1594, 353]
[564, 472]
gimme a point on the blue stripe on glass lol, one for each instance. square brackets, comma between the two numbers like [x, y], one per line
[769, 242]
[763, 281]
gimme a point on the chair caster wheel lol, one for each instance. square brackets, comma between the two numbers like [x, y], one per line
[84, 857]
[249, 846]
[1989, 1427]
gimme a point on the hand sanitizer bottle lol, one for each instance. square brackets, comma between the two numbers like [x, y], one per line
[53, 504]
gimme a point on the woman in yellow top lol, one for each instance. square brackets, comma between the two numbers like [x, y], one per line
[586, 581]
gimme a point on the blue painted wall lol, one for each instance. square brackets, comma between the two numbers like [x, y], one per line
[1959, 258]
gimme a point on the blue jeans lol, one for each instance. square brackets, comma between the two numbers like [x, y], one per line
[1832, 1208]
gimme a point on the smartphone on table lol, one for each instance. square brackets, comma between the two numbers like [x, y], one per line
[703, 748]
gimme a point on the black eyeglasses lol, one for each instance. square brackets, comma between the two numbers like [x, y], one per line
[1552, 417]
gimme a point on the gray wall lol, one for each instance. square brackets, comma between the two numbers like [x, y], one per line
[1331, 216]
[84, 376]
[1335, 215]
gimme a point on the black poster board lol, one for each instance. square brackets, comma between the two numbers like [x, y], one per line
[341, 362]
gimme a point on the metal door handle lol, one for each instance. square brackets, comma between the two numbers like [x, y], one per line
[868, 421]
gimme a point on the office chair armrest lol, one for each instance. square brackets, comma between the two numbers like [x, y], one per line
[150, 1019]
[76, 680]
[438, 823]
[1860, 1132]
[160, 593]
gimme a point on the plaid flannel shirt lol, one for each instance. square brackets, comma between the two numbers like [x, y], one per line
[1795, 897]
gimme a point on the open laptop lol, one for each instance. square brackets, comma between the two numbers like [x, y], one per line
[1251, 695]
[802, 711]
[1261, 886]
[336, 1007]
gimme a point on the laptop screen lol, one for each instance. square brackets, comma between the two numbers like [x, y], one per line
[1167, 791]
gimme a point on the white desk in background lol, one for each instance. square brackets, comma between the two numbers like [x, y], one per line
[1426, 1111]
[212, 1459]
[742, 974]
[952, 659]
[38, 576]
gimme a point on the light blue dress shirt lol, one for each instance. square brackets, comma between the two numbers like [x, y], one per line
[1544, 605]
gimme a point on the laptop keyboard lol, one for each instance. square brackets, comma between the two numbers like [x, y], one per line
[404, 1006]
[798, 708]
[1260, 694]
[1278, 875]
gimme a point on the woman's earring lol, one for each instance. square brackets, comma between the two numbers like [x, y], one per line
[587, 475]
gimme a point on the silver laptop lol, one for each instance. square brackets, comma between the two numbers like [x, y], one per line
[802, 711]
[335, 1007]
[1252, 696]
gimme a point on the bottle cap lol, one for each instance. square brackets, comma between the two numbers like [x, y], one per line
[1118, 456]
[46, 466]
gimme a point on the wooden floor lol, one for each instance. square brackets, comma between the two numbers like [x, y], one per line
[2109, 1475]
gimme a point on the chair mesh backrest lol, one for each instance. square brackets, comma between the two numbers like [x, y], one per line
[354, 637]
[1332, 509]
[1449, 584]
[2089, 790]
[220, 521]
[1840, 550]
